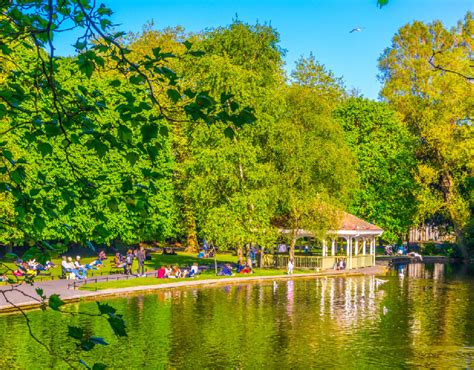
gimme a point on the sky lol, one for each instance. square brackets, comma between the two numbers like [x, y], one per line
[318, 26]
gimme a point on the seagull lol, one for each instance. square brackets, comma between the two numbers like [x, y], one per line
[357, 29]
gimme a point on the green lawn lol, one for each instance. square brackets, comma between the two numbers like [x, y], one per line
[182, 259]
[154, 281]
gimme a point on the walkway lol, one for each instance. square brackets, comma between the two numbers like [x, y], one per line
[26, 297]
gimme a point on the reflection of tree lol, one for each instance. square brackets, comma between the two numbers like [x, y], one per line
[333, 322]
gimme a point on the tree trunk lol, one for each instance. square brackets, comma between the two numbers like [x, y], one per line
[249, 260]
[461, 244]
[292, 248]
[192, 245]
[239, 254]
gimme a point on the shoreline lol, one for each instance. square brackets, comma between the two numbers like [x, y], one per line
[84, 295]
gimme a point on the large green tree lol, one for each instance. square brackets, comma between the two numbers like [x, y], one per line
[425, 75]
[386, 165]
[314, 164]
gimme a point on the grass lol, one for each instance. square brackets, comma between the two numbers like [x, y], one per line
[182, 260]
[205, 275]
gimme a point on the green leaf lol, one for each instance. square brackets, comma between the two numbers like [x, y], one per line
[99, 366]
[106, 309]
[132, 157]
[39, 223]
[98, 340]
[174, 95]
[18, 175]
[86, 66]
[115, 83]
[149, 132]
[87, 345]
[125, 134]
[197, 53]
[75, 332]
[40, 292]
[156, 52]
[137, 79]
[229, 132]
[117, 324]
[55, 302]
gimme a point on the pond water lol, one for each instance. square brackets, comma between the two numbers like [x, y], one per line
[422, 317]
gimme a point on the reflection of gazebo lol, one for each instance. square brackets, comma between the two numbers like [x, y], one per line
[354, 237]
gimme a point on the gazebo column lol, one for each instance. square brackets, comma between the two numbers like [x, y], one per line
[372, 249]
[364, 246]
[333, 247]
[356, 250]
[325, 248]
[349, 252]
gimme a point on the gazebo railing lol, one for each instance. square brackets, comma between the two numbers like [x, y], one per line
[314, 262]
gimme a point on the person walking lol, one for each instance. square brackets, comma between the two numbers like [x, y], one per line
[129, 261]
[141, 256]
[290, 266]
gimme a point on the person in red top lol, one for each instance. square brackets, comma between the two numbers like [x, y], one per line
[161, 273]
[246, 270]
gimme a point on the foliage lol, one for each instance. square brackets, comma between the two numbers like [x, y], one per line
[315, 167]
[386, 165]
[436, 105]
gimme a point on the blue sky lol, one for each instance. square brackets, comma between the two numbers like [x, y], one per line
[318, 26]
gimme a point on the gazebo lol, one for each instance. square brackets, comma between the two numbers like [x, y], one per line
[353, 242]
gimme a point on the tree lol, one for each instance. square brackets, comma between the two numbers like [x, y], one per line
[386, 165]
[81, 126]
[436, 105]
[230, 178]
[315, 166]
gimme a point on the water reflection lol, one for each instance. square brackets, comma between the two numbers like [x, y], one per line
[420, 316]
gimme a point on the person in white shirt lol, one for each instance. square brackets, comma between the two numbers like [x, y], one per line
[290, 266]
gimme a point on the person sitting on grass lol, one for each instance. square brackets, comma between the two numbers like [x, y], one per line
[74, 272]
[226, 271]
[194, 270]
[102, 256]
[239, 267]
[64, 267]
[168, 271]
[3, 278]
[201, 254]
[246, 270]
[161, 273]
[118, 261]
[79, 267]
[175, 272]
[24, 270]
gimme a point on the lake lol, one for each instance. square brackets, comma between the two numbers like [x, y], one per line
[422, 316]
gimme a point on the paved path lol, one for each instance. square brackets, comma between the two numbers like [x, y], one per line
[25, 296]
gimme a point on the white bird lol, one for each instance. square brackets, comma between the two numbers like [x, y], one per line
[385, 310]
[357, 29]
[380, 281]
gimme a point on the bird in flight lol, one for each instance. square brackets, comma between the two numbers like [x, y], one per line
[357, 29]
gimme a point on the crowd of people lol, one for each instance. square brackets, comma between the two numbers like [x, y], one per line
[227, 269]
[168, 272]
[31, 268]
[76, 270]
[125, 262]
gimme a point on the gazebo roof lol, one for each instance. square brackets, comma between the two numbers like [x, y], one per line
[349, 225]
[351, 222]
